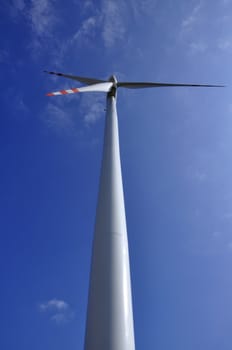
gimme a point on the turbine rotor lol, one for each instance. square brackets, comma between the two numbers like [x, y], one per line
[110, 86]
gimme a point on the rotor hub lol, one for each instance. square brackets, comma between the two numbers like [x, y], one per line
[113, 79]
[113, 90]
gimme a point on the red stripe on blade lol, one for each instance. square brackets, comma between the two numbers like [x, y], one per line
[63, 92]
[74, 89]
[50, 94]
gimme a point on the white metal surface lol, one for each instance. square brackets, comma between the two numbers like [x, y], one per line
[101, 87]
[109, 323]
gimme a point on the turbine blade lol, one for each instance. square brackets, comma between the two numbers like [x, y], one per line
[63, 92]
[142, 85]
[101, 87]
[88, 81]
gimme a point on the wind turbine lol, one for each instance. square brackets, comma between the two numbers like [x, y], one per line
[109, 324]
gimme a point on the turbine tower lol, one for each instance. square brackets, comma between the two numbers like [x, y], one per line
[109, 324]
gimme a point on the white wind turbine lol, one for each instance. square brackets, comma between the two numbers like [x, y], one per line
[109, 324]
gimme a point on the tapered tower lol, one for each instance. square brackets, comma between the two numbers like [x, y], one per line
[110, 318]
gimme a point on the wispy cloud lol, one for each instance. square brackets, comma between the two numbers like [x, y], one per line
[196, 174]
[227, 216]
[113, 23]
[230, 246]
[54, 304]
[59, 311]
[87, 5]
[87, 31]
[57, 117]
[225, 44]
[197, 47]
[41, 18]
[216, 234]
[189, 21]
[191, 34]
[19, 4]
[140, 8]
[216, 243]
[92, 107]
[107, 20]
[4, 55]
[60, 318]
[16, 8]
[200, 176]
[20, 105]
[62, 117]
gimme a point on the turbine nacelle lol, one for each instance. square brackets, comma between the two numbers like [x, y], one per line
[113, 91]
[113, 79]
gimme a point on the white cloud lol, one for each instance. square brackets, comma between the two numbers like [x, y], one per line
[217, 234]
[57, 117]
[227, 216]
[230, 108]
[191, 34]
[19, 4]
[87, 6]
[92, 107]
[4, 55]
[113, 25]
[197, 47]
[200, 176]
[142, 7]
[42, 20]
[54, 304]
[196, 174]
[108, 19]
[192, 18]
[62, 117]
[84, 36]
[86, 31]
[20, 105]
[60, 318]
[16, 8]
[41, 16]
[58, 310]
[225, 44]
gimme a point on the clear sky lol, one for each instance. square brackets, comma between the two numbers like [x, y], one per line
[176, 147]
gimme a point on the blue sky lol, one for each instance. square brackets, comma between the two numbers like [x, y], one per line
[176, 157]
